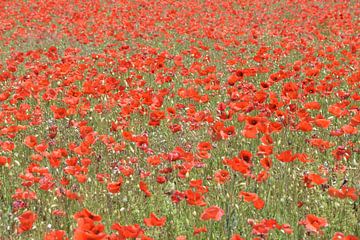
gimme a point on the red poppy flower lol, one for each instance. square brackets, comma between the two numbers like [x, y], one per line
[245, 156]
[56, 235]
[199, 230]
[348, 129]
[304, 126]
[222, 176]
[266, 163]
[236, 237]
[341, 236]
[312, 105]
[204, 146]
[262, 176]
[254, 198]
[286, 156]
[249, 131]
[156, 117]
[313, 223]
[312, 178]
[30, 141]
[129, 231]
[144, 188]
[4, 160]
[7, 146]
[85, 213]
[213, 212]
[344, 192]
[88, 230]
[194, 198]
[154, 221]
[59, 113]
[153, 160]
[114, 187]
[323, 123]
[27, 220]
[226, 132]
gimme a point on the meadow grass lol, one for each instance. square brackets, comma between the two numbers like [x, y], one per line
[121, 75]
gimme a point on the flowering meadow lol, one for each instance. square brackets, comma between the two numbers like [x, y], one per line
[204, 119]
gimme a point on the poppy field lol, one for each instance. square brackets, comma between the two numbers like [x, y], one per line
[124, 119]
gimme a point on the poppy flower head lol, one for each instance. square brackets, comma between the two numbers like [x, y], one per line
[26, 220]
[313, 224]
[154, 221]
[85, 213]
[222, 176]
[214, 212]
